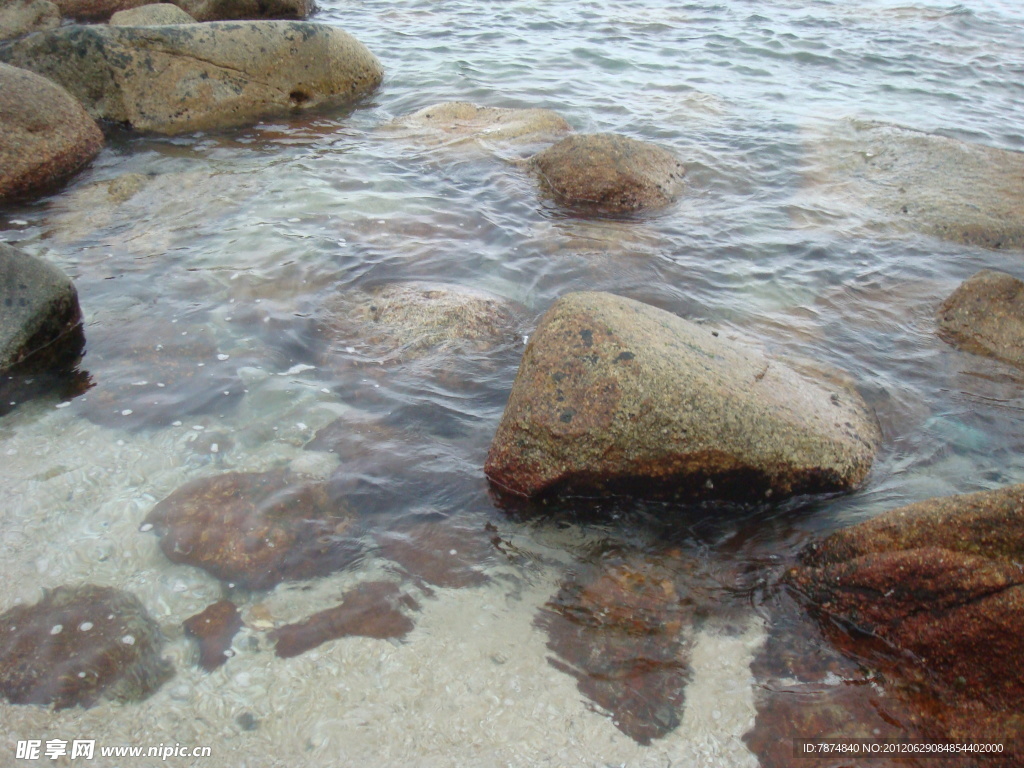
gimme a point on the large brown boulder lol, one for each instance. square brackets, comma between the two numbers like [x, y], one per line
[906, 179]
[985, 315]
[19, 17]
[154, 14]
[617, 395]
[45, 135]
[79, 645]
[940, 583]
[226, 10]
[607, 173]
[95, 10]
[192, 77]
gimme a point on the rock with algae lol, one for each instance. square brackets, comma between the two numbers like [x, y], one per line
[985, 315]
[78, 645]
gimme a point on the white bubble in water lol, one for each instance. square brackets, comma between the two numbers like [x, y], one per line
[128, 640]
[57, 629]
[85, 626]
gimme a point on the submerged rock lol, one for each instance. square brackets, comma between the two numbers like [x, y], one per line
[620, 628]
[19, 17]
[940, 584]
[370, 610]
[966, 193]
[985, 315]
[607, 173]
[214, 628]
[408, 320]
[457, 122]
[440, 552]
[45, 135]
[154, 14]
[41, 335]
[192, 77]
[78, 645]
[255, 530]
[613, 395]
[226, 10]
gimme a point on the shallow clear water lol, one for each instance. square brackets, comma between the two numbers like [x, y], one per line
[238, 239]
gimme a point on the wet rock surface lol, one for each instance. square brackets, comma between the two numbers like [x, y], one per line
[620, 627]
[226, 10]
[373, 609]
[985, 316]
[458, 122]
[19, 17]
[79, 645]
[254, 530]
[214, 628]
[617, 396]
[966, 193]
[441, 552]
[608, 173]
[931, 595]
[154, 14]
[45, 135]
[180, 78]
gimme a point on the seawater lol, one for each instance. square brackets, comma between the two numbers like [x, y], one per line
[239, 237]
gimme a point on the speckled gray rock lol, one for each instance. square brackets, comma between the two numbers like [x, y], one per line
[191, 77]
[38, 307]
[45, 135]
[19, 17]
[226, 10]
[617, 396]
[456, 122]
[604, 172]
[894, 176]
[78, 645]
[985, 315]
[154, 14]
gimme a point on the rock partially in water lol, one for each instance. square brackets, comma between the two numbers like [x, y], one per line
[408, 320]
[441, 552]
[214, 628]
[370, 610]
[966, 193]
[940, 584]
[40, 326]
[459, 122]
[608, 173]
[192, 77]
[154, 14]
[79, 645]
[150, 371]
[19, 17]
[617, 396]
[985, 315]
[45, 135]
[619, 626]
[255, 530]
[226, 10]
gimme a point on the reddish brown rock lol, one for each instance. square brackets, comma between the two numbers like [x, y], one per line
[226, 10]
[617, 396]
[370, 610]
[215, 627]
[443, 553]
[45, 135]
[78, 645]
[19, 17]
[255, 530]
[618, 626]
[985, 315]
[604, 172]
[940, 584]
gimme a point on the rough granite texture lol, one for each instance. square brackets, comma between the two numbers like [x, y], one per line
[19, 17]
[615, 395]
[941, 580]
[45, 135]
[226, 10]
[154, 14]
[192, 77]
[967, 193]
[985, 315]
[38, 307]
[604, 172]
